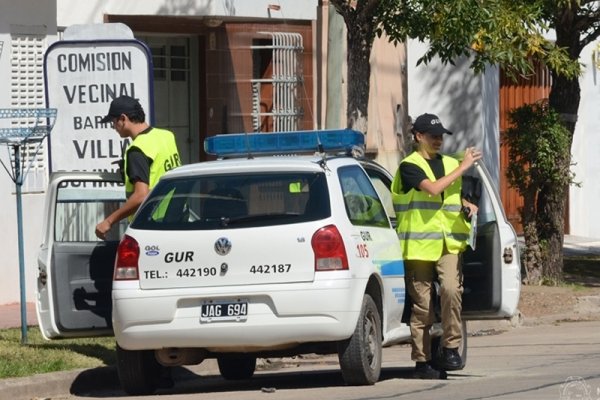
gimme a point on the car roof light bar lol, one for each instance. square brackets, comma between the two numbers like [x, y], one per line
[248, 144]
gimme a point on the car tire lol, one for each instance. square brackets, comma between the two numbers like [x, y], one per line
[436, 347]
[138, 371]
[235, 368]
[360, 355]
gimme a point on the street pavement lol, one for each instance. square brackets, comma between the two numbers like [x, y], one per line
[80, 381]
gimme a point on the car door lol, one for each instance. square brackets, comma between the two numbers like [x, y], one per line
[75, 268]
[492, 271]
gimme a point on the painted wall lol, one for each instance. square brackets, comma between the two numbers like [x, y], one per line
[33, 16]
[72, 12]
[22, 17]
[388, 66]
[467, 104]
[583, 202]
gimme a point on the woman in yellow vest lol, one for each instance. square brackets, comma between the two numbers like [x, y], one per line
[433, 232]
[151, 153]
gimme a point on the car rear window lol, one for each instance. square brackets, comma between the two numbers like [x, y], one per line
[81, 204]
[234, 201]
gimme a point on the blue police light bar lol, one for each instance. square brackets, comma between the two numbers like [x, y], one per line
[243, 144]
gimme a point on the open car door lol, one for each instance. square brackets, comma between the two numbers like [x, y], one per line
[75, 267]
[492, 270]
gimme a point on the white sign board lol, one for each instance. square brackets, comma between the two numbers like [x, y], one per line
[82, 78]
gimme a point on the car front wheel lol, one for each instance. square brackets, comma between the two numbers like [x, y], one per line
[360, 355]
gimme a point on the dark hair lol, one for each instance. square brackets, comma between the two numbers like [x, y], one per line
[138, 115]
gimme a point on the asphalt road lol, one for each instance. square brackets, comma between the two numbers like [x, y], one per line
[553, 361]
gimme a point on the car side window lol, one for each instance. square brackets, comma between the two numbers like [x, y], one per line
[362, 203]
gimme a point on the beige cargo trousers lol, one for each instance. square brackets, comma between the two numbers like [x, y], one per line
[419, 278]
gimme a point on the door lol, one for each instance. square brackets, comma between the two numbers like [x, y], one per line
[75, 268]
[492, 271]
[172, 62]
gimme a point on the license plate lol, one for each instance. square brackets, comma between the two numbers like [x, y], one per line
[226, 310]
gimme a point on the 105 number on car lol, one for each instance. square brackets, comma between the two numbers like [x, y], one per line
[270, 269]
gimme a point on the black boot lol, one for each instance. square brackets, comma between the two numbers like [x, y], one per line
[451, 360]
[425, 371]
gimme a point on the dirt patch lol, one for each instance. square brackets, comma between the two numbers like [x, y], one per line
[577, 298]
[568, 301]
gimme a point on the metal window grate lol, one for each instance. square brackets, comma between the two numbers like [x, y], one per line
[287, 78]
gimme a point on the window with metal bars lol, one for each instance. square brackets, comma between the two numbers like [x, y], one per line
[277, 82]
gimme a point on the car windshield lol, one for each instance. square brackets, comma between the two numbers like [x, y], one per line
[240, 200]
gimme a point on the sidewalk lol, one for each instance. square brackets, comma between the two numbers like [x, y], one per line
[10, 315]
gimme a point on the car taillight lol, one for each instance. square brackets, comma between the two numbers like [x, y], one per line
[330, 253]
[128, 254]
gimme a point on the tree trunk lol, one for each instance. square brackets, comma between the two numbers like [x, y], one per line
[360, 19]
[565, 96]
[360, 42]
[532, 257]
[550, 227]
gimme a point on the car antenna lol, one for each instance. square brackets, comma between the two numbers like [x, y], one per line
[250, 156]
[321, 151]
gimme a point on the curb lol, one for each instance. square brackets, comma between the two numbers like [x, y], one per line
[81, 382]
[58, 383]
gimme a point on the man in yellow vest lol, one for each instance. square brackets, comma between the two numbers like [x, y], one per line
[151, 153]
[433, 231]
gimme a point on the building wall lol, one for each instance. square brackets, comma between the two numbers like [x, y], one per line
[583, 209]
[467, 104]
[387, 95]
[48, 17]
[71, 12]
[19, 18]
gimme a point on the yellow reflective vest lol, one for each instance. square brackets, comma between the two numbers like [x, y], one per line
[159, 145]
[426, 222]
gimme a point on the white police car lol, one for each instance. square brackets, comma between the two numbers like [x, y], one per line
[251, 256]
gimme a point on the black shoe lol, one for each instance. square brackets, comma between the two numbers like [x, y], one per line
[424, 371]
[451, 360]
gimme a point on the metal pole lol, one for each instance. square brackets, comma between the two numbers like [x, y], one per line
[18, 184]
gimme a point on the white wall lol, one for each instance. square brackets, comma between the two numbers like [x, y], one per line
[583, 202]
[72, 12]
[467, 104]
[24, 16]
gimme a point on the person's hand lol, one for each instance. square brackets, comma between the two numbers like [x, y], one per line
[102, 228]
[471, 155]
[473, 209]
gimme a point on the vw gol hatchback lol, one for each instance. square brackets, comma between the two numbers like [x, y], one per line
[258, 255]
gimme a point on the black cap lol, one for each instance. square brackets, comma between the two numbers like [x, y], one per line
[430, 123]
[122, 105]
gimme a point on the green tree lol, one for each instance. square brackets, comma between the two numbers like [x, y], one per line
[538, 145]
[506, 33]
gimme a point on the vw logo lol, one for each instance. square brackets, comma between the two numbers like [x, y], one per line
[222, 246]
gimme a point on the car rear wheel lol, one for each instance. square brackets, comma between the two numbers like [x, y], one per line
[138, 370]
[360, 356]
[237, 367]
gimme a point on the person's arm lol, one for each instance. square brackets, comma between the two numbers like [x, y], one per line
[437, 187]
[140, 191]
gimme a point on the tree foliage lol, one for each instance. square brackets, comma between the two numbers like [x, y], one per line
[506, 33]
[538, 144]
